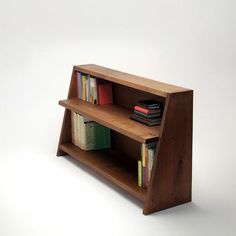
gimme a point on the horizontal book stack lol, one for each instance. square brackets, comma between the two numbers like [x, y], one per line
[148, 153]
[94, 90]
[89, 135]
[147, 112]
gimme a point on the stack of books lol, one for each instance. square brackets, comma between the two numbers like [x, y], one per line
[94, 90]
[148, 153]
[147, 112]
[89, 135]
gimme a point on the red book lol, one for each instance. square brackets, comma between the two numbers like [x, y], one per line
[105, 94]
[141, 109]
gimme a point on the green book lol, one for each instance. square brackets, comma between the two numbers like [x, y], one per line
[89, 135]
[102, 136]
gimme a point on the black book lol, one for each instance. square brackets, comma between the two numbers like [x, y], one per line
[153, 115]
[150, 104]
[146, 121]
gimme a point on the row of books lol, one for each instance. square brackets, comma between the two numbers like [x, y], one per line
[89, 135]
[148, 153]
[147, 112]
[94, 90]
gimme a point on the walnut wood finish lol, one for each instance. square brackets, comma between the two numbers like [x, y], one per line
[133, 81]
[107, 163]
[171, 177]
[114, 117]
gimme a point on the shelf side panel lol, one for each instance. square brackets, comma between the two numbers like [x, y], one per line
[65, 136]
[171, 178]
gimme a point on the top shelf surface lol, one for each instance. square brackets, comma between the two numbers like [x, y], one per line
[114, 117]
[133, 81]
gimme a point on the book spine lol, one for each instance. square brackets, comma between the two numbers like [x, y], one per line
[146, 166]
[84, 87]
[73, 127]
[88, 88]
[143, 176]
[141, 109]
[76, 127]
[143, 153]
[79, 83]
[76, 85]
[79, 119]
[95, 92]
[149, 163]
[89, 140]
[143, 164]
[91, 88]
[139, 173]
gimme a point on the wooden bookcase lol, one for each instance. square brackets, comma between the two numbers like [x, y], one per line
[171, 177]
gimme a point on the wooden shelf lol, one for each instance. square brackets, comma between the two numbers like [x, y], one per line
[105, 163]
[170, 181]
[133, 81]
[114, 117]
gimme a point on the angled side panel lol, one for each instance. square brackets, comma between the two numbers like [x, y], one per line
[171, 178]
[65, 136]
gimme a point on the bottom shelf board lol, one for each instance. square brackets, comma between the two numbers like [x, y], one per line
[105, 163]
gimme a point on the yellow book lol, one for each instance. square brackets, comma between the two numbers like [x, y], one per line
[143, 154]
[84, 79]
[139, 173]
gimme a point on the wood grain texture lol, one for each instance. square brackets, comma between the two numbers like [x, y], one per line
[107, 163]
[171, 178]
[126, 145]
[133, 81]
[129, 97]
[114, 117]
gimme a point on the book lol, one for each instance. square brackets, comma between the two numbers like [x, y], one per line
[93, 90]
[76, 85]
[143, 177]
[146, 166]
[89, 135]
[102, 137]
[150, 104]
[73, 129]
[75, 126]
[84, 79]
[146, 121]
[146, 162]
[139, 173]
[79, 85]
[88, 88]
[145, 110]
[105, 94]
[150, 162]
[154, 115]
[143, 155]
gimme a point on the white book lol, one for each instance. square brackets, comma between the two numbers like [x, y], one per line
[82, 132]
[88, 89]
[73, 127]
[76, 128]
[150, 162]
[93, 90]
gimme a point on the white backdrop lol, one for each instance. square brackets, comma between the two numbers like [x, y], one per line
[188, 43]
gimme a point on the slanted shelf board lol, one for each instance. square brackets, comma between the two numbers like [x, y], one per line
[105, 163]
[113, 117]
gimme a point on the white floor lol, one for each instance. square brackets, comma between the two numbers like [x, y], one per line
[188, 43]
